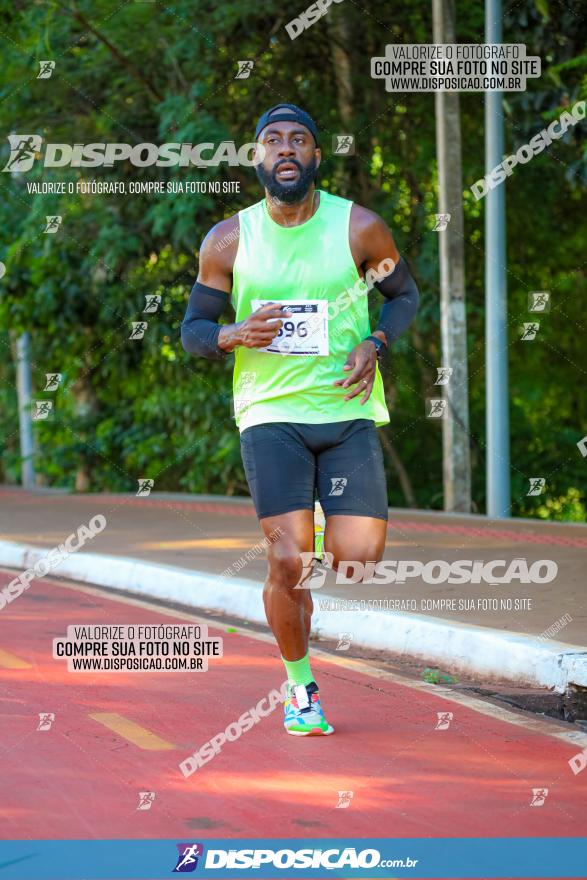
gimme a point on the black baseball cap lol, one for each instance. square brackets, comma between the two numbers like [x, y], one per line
[289, 113]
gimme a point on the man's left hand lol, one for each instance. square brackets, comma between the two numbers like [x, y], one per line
[361, 364]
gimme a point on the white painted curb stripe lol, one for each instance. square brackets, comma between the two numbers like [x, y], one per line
[480, 650]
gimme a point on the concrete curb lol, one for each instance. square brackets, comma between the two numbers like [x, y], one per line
[487, 652]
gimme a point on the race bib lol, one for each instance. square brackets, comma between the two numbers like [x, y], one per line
[305, 333]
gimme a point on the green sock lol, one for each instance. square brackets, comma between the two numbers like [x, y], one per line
[298, 671]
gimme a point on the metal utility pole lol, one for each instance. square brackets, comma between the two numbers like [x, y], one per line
[455, 425]
[496, 336]
[24, 390]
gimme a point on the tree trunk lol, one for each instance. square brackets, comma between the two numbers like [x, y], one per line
[86, 406]
[352, 167]
[455, 425]
[400, 470]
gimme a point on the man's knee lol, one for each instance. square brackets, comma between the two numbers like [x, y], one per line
[285, 564]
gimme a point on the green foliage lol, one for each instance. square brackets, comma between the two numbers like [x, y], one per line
[435, 676]
[156, 73]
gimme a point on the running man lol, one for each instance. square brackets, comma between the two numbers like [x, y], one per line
[307, 387]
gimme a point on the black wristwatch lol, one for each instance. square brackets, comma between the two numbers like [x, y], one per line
[380, 348]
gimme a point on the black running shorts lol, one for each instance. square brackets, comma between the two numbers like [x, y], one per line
[288, 465]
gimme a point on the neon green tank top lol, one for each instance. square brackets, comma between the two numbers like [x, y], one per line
[309, 262]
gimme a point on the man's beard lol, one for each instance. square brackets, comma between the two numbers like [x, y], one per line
[289, 193]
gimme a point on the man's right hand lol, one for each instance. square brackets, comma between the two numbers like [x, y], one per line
[256, 331]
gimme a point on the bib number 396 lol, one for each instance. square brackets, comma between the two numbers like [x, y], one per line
[305, 333]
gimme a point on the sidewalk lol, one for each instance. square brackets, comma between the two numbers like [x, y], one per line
[176, 547]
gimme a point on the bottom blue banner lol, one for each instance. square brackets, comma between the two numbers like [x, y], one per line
[286, 858]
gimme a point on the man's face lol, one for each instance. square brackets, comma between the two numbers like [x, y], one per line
[290, 162]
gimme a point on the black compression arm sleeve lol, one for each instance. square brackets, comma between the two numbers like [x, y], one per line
[200, 328]
[402, 297]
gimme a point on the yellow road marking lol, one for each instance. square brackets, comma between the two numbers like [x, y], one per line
[202, 543]
[11, 661]
[133, 732]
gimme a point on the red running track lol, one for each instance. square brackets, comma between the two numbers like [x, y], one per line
[81, 779]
